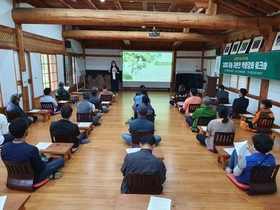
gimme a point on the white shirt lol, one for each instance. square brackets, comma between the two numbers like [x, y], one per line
[3, 127]
[49, 99]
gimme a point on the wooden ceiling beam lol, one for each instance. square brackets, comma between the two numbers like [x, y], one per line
[91, 5]
[137, 35]
[137, 18]
[273, 3]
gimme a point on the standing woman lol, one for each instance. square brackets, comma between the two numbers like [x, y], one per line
[114, 76]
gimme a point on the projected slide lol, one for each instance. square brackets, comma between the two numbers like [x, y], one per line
[147, 68]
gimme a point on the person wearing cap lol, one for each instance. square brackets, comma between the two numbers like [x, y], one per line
[5, 136]
[143, 162]
[86, 107]
[47, 98]
[13, 106]
[241, 165]
[64, 125]
[19, 151]
[61, 92]
[204, 111]
[141, 124]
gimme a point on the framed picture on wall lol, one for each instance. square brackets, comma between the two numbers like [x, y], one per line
[244, 46]
[257, 42]
[227, 48]
[276, 43]
[234, 48]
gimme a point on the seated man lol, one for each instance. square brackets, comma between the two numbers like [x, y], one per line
[62, 92]
[193, 99]
[97, 100]
[13, 106]
[5, 136]
[204, 111]
[86, 107]
[151, 111]
[18, 151]
[64, 125]
[221, 94]
[241, 101]
[106, 92]
[143, 162]
[138, 100]
[141, 124]
[47, 98]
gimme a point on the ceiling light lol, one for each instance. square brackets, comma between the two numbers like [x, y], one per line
[102, 0]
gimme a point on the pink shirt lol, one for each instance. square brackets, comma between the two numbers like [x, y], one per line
[191, 100]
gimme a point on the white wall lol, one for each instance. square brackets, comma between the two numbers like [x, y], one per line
[5, 13]
[188, 65]
[102, 63]
[37, 74]
[8, 76]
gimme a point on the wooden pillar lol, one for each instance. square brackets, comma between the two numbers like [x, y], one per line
[173, 76]
[263, 90]
[22, 64]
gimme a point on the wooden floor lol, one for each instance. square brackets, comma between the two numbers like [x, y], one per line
[92, 177]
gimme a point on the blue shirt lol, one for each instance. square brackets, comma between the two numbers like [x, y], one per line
[23, 152]
[141, 124]
[242, 101]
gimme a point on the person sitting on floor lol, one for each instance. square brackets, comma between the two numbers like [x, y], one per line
[241, 101]
[241, 166]
[221, 124]
[105, 91]
[143, 162]
[86, 107]
[5, 136]
[64, 125]
[47, 98]
[13, 106]
[264, 112]
[221, 94]
[193, 99]
[19, 151]
[181, 93]
[62, 92]
[145, 101]
[141, 124]
[204, 111]
[138, 100]
[97, 100]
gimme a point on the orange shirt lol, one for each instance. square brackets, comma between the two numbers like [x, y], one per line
[264, 113]
[191, 100]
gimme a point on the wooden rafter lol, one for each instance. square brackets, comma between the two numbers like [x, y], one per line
[90, 4]
[237, 7]
[66, 4]
[118, 5]
[274, 3]
[172, 7]
[145, 6]
[257, 6]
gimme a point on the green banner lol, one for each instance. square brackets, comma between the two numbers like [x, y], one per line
[261, 65]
